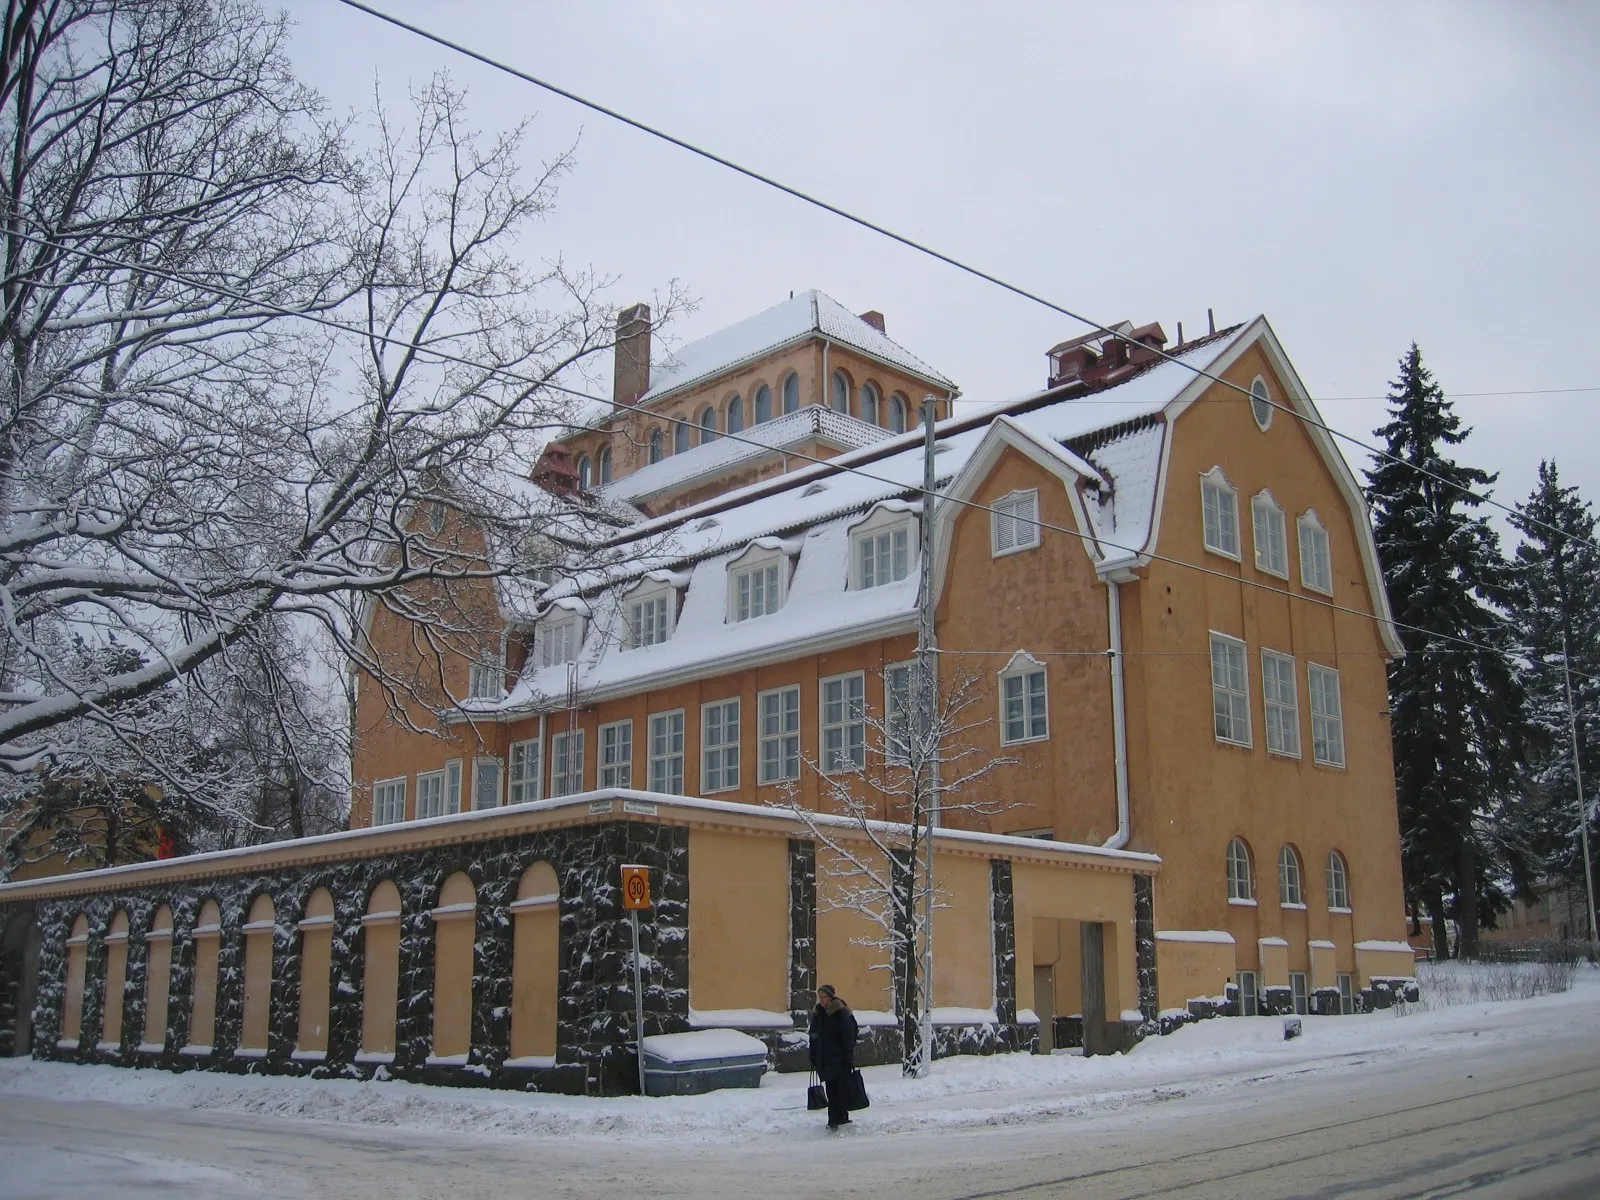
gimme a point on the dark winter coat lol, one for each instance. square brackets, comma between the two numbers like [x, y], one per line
[833, 1040]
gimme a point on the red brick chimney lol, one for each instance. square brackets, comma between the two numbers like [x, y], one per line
[631, 372]
[874, 318]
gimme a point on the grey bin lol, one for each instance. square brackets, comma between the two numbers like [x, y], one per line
[695, 1076]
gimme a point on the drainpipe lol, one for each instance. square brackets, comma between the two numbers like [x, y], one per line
[1119, 717]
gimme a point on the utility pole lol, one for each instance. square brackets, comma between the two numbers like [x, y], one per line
[1583, 809]
[927, 709]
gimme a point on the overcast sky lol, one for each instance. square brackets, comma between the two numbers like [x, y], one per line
[1364, 175]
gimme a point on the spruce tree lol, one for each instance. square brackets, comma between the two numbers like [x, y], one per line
[1457, 713]
[1558, 576]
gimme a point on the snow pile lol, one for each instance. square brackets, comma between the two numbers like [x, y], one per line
[704, 1044]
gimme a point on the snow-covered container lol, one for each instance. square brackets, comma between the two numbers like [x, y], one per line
[688, 1064]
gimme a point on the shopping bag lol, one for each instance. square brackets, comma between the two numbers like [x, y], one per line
[856, 1092]
[816, 1094]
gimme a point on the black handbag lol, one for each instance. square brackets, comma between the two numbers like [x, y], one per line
[816, 1094]
[856, 1092]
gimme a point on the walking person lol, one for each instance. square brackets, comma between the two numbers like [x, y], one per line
[833, 1051]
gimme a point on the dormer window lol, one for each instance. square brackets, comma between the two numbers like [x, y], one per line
[487, 678]
[557, 639]
[881, 548]
[758, 579]
[649, 613]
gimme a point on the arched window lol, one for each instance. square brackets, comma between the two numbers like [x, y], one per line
[454, 931]
[763, 404]
[657, 446]
[157, 978]
[77, 970]
[316, 966]
[116, 977]
[735, 414]
[708, 425]
[1241, 879]
[841, 392]
[585, 473]
[605, 466]
[897, 413]
[1338, 882]
[380, 984]
[869, 404]
[1289, 891]
[535, 963]
[207, 935]
[681, 435]
[791, 393]
[259, 928]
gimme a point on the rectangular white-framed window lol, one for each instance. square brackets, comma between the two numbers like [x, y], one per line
[899, 711]
[666, 752]
[1219, 507]
[557, 641]
[757, 591]
[779, 734]
[486, 783]
[719, 746]
[430, 795]
[1249, 997]
[1268, 526]
[1316, 560]
[486, 680]
[1347, 995]
[525, 770]
[1230, 690]
[1297, 989]
[566, 763]
[1024, 703]
[388, 801]
[1327, 716]
[616, 754]
[882, 556]
[844, 722]
[452, 786]
[1014, 523]
[1282, 703]
[650, 619]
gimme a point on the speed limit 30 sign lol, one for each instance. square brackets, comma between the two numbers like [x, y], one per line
[635, 888]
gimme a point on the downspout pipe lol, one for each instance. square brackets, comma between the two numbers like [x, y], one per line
[1119, 717]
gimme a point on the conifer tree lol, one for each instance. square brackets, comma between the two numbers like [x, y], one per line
[1457, 713]
[1558, 577]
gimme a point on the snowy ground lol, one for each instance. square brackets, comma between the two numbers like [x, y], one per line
[1211, 1057]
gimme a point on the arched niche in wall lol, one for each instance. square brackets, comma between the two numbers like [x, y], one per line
[536, 963]
[259, 928]
[454, 930]
[380, 983]
[77, 967]
[116, 980]
[203, 1015]
[157, 980]
[316, 964]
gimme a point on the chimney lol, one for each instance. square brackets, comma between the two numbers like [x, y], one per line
[631, 373]
[874, 318]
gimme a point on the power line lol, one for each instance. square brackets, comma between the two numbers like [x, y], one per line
[913, 244]
[832, 464]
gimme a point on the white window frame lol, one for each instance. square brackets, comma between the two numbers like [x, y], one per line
[389, 801]
[1014, 523]
[452, 786]
[1280, 703]
[486, 678]
[1300, 993]
[1347, 993]
[525, 780]
[558, 639]
[1249, 998]
[1291, 890]
[1316, 554]
[1261, 402]
[1338, 896]
[666, 765]
[899, 711]
[1034, 706]
[1327, 727]
[849, 731]
[883, 530]
[479, 773]
[1249, 880]
[614, 754]
[759, 570]
[1269, 529]
[1238, 697]
[719, 760]
[430, 782]
[1219, 514]
[778, 751]
[566, 763]
[650, 615]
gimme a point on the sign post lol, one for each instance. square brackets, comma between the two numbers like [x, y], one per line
[636, 896]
